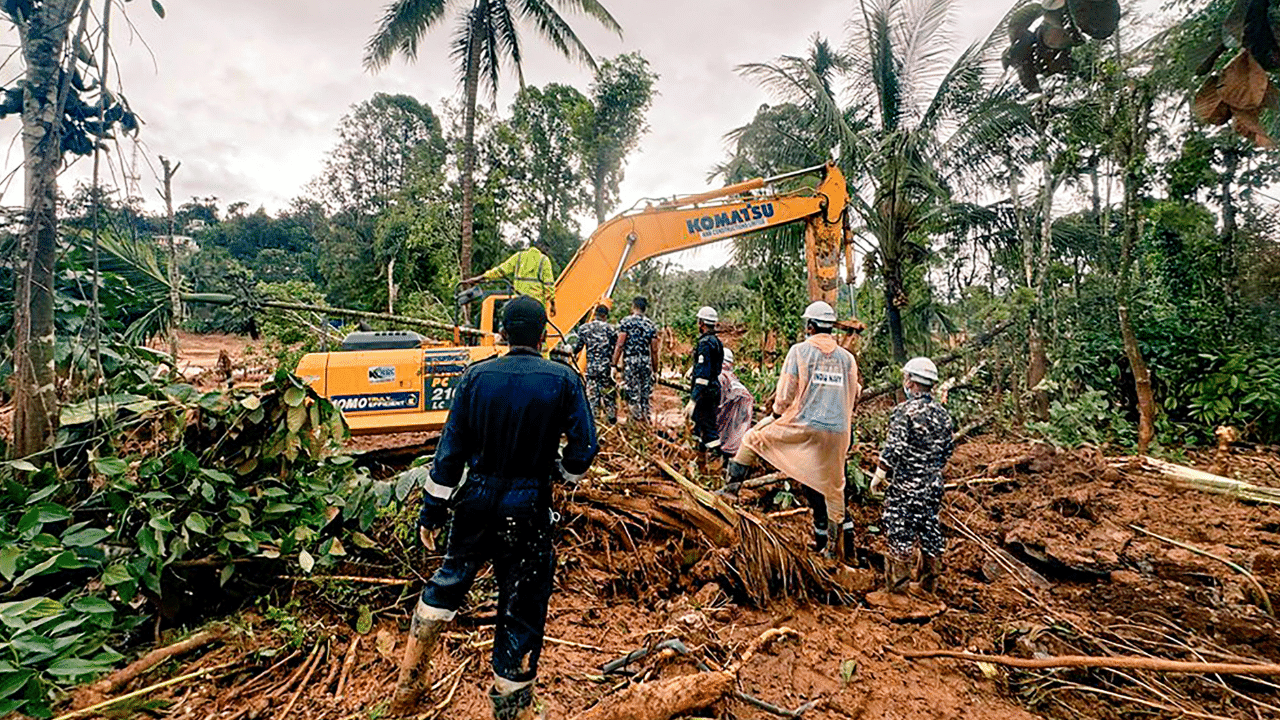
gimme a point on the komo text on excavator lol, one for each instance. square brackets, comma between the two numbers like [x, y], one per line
[388, 382]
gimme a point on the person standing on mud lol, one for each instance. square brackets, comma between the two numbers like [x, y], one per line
[708, 360]
[636, 355]
[599, 338]
[736, 405]
[916, 448]
[491, 480]
[807, 436]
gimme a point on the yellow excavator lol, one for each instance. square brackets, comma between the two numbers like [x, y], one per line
[388, 382]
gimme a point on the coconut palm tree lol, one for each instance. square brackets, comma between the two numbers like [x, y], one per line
[486, 37]
[910, 113]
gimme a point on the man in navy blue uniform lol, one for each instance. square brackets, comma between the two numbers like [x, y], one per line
[491, 481]
[708, 360]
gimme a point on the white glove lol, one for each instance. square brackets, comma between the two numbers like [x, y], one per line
[688, 411]
[428, 538]
[877, 480]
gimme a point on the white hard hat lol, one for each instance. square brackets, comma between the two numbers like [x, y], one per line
[820, 312]
[728, 356]
[708, 314]
[922, 370]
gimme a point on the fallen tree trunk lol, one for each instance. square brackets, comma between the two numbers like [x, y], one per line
[125, 675]
[1187, 477]
[976, 343]
[1090, 661]
[665, 699]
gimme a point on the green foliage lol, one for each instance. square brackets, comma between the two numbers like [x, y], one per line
[251, 476]
[1087, 418]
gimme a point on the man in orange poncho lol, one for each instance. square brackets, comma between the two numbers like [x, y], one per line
[808, 436]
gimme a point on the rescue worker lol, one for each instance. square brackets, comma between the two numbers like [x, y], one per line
[636, 355]
[733, 418]
[918, 444]
[491, 480]
[598, 337]
[807, 436]
[708, 360]
[530, 272]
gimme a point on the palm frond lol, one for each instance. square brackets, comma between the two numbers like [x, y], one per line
[403, 24]
[594, 9]
[923, 45]
[506, 40]
[555, 30]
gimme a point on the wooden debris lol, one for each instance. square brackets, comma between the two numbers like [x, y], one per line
[124, 676]
[303, 685]
[1090, 661]
[1184, 476]
[348, 663]
[1257, 586]
[92, 709]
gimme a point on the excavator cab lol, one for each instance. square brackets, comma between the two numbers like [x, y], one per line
[492, 296]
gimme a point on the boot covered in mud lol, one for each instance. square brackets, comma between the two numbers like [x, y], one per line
[735, 475]
[897, 573]
[848, 538]
[930, 570]
[415, 666]
[519, 705]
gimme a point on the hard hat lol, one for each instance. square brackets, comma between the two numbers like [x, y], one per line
[820, 312]
[708, 314]
[921, 369]
[728, 356]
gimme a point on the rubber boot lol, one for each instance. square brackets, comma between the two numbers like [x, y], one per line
[415, 665]
[847, 539]
[735, 474]
[930, 569]
[896, 574]
[820, 540]
[519, 705]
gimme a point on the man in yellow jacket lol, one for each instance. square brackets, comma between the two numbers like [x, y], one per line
[530, 272]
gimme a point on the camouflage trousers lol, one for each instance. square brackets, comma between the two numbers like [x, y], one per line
[637, 375]
[911, 507]
[602, 395]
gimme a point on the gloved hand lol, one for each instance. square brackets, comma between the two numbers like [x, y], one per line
[434, 513]
[688, 411]
[427, 538]
[876, 481]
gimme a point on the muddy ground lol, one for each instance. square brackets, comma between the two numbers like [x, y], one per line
[1043, 560]
[1083, 582]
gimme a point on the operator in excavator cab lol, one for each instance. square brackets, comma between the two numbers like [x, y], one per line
[530, 272]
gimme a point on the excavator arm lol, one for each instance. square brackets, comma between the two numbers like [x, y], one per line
[694, 220]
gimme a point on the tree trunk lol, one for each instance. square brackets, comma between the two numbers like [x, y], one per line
[175, 289]
[598, 181]
[1136, 123]
[35, 419]
[472, 88]
[391, 286]
[893, 301]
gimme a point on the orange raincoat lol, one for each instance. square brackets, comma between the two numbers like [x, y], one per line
[816, 394]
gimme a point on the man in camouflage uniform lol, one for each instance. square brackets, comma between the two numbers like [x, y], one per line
[918, 445]
[636, 355]
[599, 338]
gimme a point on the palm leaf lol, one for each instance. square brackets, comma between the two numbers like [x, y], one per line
[403, 24]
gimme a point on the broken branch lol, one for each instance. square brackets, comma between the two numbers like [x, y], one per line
[124, 676]
[1112, 663]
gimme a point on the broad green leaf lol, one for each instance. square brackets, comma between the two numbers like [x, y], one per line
[336, 548]
[252, 402]
[196, 523]
[364, 621]
[226, 574]
[280, 508]
[50, 512]
[363, 541]
[38, 570]
[111, 466]
[74, 667]
[93, 605]
[294, 396]
[85, 538]
[306, 561]
[237, 536]
[160, 522]
[22, 466]
[12, 682]
[155, 5]
[9, 561]
[116, 574]
[297, 418]
[217, 476]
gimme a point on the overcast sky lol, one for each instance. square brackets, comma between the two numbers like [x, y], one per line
[246, 93]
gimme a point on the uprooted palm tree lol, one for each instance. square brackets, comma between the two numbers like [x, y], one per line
[486, 37]
[909, 117]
